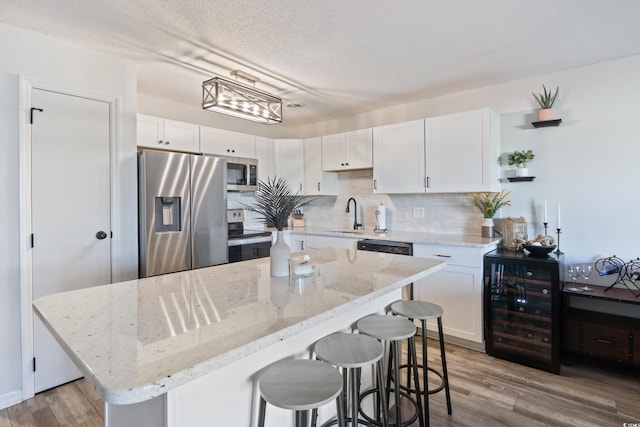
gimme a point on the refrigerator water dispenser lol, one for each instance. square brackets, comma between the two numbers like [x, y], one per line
[167, 213]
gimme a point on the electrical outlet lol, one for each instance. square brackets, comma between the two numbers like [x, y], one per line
[418, 212]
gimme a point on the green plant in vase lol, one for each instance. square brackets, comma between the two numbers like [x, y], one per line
[276, 202]
[488, 204]
[519, 159]
[546, 99]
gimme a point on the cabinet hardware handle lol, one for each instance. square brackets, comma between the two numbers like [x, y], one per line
[341, 164]
[427, 181]
[347, 163]
[443, 256]
[318, 186]
[603, 341]
[300, 186]
[375, 184]
[529, 274]
[166, 142]
[160, 142]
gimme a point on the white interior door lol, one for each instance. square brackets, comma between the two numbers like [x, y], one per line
[70, 205]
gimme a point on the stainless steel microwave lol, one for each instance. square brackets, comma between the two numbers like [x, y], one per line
[242, 174]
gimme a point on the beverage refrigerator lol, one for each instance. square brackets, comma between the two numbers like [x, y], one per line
[182, 212]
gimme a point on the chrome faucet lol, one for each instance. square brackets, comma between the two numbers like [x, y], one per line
[355, 212]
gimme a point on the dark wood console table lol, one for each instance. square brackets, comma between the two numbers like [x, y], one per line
[602, 324]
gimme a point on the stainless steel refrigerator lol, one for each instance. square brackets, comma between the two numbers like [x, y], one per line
[182, 212]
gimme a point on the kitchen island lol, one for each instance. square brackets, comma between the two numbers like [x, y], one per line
[184, 349]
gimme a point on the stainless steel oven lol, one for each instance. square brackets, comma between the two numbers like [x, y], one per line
[243, 244]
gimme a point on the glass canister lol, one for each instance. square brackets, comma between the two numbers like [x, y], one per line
[514, 233]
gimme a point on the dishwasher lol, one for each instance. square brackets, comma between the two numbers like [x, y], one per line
[390, 247]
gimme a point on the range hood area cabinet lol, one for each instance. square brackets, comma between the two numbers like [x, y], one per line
[165, 134]
[443, 154]
[348, 150]
[317, 182]
[227, 143]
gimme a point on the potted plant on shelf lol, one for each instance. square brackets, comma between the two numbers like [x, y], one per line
[489, 203]
[546, 101]
[275, 201]
[519, 159]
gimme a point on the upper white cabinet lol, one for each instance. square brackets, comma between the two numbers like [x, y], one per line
[289, 161]
[164, 134]
[452, 153]
[348, 150]
[462, 152]
[316, 181]
[227, 143]
[265, 153]
[398, 158]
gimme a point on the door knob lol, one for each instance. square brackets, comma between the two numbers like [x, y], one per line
[101, 235]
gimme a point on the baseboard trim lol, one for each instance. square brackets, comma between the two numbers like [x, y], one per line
[10, 399]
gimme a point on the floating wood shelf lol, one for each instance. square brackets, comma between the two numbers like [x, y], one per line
[546, 123]
[520, 178]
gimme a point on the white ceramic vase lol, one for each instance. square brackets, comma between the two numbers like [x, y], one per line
[279, 256]
[487, 227]
[522, 171]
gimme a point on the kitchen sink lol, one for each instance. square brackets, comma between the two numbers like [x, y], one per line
[346, 231]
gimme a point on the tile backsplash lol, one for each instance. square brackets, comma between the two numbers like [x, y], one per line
[434, 213]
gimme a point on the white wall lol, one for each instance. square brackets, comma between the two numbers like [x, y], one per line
[35, 56]
[589, 163]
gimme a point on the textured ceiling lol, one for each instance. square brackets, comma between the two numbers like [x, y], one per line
[339, 57]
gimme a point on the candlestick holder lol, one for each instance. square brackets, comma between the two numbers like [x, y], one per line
[546, 226]
[558, 251]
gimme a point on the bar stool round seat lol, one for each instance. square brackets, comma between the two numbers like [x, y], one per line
[300, 385]
[423, 311]
[394, 330]
[352, 352]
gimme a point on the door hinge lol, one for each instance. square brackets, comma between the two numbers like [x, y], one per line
[31, 114]
[32, 240]
[34, 364]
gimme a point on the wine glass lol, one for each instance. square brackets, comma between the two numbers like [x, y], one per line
[586, 271]
[574, 273]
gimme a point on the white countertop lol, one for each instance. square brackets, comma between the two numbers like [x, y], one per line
[139, 339]
[464, 240]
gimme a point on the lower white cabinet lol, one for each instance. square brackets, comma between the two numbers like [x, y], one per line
[457, 289]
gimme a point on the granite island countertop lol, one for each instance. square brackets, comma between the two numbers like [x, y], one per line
[138, 339]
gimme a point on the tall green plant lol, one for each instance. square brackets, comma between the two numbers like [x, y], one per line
[276, 202]
[546, 99]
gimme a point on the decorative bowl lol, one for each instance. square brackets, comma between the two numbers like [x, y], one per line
[539, 250]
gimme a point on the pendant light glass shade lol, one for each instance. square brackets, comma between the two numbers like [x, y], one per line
[231, 98]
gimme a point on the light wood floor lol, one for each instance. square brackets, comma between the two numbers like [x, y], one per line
[485, 391]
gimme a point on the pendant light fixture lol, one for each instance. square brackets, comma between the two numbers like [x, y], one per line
[246, 102]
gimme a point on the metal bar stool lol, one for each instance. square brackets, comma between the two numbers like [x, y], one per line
[393, 330]
[422, 310]
[300, 385]
[351, 353]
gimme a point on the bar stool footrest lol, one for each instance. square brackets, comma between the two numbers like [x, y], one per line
[432, 391]
[376, 423]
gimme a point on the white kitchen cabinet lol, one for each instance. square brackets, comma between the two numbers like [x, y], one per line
[455, 153]
[348, 150]
[227, 143]
[398, 158]
[289, 161]
[265, 153]
[462, 152]
[317, 181]
[165, 134]
[457, 289]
